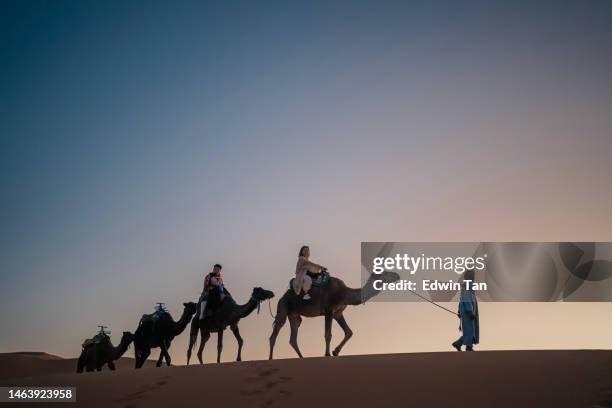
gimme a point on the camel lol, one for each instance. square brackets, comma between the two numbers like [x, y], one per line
[95, 355]
[227, 314]
[153, 333]
[329, 301]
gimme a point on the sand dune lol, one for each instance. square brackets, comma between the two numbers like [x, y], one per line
[481, 379]
[32, 363]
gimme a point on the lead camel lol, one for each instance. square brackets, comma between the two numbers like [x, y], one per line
[328, 300]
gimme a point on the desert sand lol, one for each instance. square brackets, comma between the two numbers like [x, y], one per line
[31, 363]
[479, 379]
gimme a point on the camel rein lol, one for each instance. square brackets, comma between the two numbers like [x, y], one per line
[434, 303]
[422, 297]
[269, 308]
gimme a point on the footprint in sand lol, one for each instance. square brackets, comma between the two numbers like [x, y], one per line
[158, 385]
[265, 386]
[132, 396]
[141, 392]
[268, 372]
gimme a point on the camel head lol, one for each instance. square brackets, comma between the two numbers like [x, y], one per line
[368, 291]
[127, 337]
[190, 308]
[260, 294]
[386, 277]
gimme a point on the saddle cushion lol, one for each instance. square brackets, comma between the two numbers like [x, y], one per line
[319, 279]
[153, 317]
[97, 339]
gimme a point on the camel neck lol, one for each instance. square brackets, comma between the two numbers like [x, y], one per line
[180, 325]
[247, 308]
[361, 295]
[120, 349]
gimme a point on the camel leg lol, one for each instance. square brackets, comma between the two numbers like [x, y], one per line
[234, 329]
[219, 345]
[97, 363]
[168, 353]
[111, 365]
[204, 336]
[193, 337]
[161, 356]
[80, 364]
[164, 346]
[294, 323]
[141, 356]
[279, 322]
[348, 333]
[90, 366]
[137, 358]
[328, 333]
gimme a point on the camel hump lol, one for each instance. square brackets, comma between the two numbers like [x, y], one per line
[156, 315]
[88, 342]
[97, 339]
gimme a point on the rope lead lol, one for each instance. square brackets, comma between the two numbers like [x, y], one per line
[434, 303]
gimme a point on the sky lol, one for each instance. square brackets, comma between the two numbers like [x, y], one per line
[142, 142]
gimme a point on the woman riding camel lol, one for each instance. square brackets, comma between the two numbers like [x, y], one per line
[302, 281]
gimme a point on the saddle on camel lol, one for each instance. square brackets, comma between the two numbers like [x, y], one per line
[102, 336]
[317, 290]
[318, 280]
[160, 310]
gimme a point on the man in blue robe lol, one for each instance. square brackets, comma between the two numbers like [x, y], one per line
[468, 314]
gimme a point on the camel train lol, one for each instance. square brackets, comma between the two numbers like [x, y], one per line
[328, 297]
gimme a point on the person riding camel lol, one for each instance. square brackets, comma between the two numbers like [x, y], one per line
[302, 281]
[213, 284]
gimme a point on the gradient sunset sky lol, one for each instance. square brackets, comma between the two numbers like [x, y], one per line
[143, 142]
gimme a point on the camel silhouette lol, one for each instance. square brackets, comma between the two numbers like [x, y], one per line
[95, 355]
[153, 333]
[330, 301]
[227, 314]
